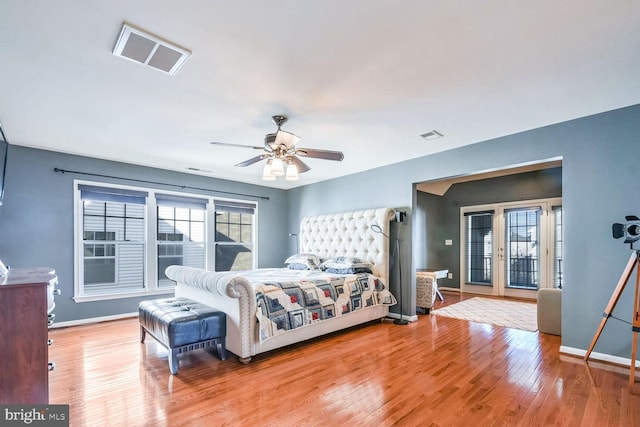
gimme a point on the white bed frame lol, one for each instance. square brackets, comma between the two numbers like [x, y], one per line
[347, 234]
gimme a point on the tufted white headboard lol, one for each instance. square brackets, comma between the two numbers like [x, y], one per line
[349, 234]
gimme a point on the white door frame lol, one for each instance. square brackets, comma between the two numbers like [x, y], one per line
[498, 272]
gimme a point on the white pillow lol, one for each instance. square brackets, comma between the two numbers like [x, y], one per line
[346, 265]
[303, 262]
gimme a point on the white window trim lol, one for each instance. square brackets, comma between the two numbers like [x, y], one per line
[151, 249]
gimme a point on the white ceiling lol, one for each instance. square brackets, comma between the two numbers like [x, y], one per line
[361, 76]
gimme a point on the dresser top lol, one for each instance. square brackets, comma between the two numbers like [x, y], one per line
[21, 276]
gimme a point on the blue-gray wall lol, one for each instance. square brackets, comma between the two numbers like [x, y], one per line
[36, 220]
[600, 185]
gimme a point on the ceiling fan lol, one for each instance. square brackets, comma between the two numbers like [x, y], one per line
[280, 150]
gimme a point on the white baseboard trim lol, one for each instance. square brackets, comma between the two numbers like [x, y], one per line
[603, 357]
[92, 320]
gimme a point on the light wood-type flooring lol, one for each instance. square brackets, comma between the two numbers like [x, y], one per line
[434, 372]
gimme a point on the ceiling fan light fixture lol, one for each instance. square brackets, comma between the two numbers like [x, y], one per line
[292, 172]
[287, 139]
[277, 167]
[281, 153]
[266, 172]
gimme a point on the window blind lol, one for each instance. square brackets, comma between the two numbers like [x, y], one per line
[109, 194]
[180, 201]
[236, 207]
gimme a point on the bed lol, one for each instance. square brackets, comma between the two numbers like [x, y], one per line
[358, 296]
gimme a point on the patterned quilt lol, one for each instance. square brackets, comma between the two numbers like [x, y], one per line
[312, 297]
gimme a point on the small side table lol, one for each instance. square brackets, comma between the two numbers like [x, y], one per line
[439, 274]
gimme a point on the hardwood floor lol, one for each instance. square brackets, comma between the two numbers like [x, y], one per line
[434, 372]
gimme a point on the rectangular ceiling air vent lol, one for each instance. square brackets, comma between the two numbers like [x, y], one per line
[139, 46]
[434, 134]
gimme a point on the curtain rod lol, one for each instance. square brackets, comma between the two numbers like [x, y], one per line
[160, 183]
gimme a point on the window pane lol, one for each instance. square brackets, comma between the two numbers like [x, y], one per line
[557, 253]
[99, 271]
[183, 214]
[181, 226]
[198, 215]
[134, 229]
[115, 209]
[233, 258]
[234, 227]
[165, 212]
[179, 254]
[479, 238]
[197, 232]
[106, 273]
[523, 228]
[130, 266]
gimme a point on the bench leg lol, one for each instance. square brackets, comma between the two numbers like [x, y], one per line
[143, 333]
[172, 357]
[222, 351]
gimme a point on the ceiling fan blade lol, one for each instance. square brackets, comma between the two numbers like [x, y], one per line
[226, 144]
[252, 160]
[320, 154]
[300, 165]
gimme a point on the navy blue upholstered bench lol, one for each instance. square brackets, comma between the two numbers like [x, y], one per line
[181, 325]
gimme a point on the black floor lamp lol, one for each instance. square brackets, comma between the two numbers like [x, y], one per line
[376, 228]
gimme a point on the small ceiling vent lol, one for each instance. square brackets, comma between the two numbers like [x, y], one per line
[139, 46]
[434, 134]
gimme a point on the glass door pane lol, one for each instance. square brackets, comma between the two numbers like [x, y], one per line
[522, 234]
[557, 242]
[479, 248]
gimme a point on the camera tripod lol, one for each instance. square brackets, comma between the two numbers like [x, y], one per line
[633, 263]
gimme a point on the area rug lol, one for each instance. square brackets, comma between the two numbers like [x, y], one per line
[510, 314]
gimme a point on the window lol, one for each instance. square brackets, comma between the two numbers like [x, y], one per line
[181, 231]
[113, 225]
[234, 236]
[126, 237]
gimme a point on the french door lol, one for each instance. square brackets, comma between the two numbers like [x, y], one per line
[511, 249]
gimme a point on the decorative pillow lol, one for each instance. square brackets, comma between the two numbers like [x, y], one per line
[303, 262]
[346, 265]
[349, 270]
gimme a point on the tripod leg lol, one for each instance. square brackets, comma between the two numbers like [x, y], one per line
[632, 373]
[624, 278]
[636, 328]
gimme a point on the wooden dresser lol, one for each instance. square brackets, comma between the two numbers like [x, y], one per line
[26, 302]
